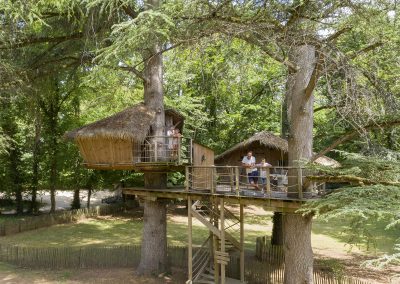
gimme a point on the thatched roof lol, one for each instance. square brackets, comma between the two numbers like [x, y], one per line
[270, 140]
[131, 123]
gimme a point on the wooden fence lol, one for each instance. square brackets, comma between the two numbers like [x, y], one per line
[46, 220]
[256, 272]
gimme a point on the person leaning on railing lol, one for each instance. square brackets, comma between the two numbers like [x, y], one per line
[249, 162]
[263, 172]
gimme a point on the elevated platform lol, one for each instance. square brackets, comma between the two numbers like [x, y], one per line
[274, 201]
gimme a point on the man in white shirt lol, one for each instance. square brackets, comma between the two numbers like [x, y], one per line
[249, 163]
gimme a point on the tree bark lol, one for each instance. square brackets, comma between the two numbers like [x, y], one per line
[154, 242]
[297, 229]
[277, 229]
[298, 251]
[76, 202]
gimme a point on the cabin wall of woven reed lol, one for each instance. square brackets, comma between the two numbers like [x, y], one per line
[103, 152]
[202, 156]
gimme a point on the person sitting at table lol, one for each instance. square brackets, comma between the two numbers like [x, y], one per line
[263, 172]
[249, 162]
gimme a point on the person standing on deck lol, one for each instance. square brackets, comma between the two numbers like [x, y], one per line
[263, 172]
[177, 140]
[249, 162]
[170, 135]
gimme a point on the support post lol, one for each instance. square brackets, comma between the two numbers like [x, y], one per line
[213, 179]
[215, 242]
[191, 153]
[241, 244]
[190, 242]
[222, 217]
[155, 151]
[232, 179]
[268, 181]
[179, 150]
[237, 177]
[187, 178]
[300, 182]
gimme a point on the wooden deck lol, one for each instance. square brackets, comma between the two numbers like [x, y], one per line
[274, 201]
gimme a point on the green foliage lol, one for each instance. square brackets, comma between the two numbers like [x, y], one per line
[373, 168]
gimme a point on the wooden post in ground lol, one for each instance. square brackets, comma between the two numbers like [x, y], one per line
[222, 217]
[215, 242]
[190, 242]
[241, 244]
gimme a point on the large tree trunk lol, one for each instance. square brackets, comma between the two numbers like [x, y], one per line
[154, 243]
[277, 229]
[298, 251]
[76, 201]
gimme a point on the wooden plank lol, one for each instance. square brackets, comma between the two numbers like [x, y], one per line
[190, 247]
[206, 223]
[241, 244]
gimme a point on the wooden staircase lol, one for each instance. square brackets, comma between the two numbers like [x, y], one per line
[214, 254]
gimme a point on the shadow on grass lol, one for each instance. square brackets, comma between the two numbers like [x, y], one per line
[373, 236]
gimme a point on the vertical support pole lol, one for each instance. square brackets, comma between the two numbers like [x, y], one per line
[268, 181]
[300, 182]
[155, 151]
[237, 177]
[187, 178]
[241, 244]
[190, 242]
[232, 178]
[213, 179]
[222, 217]
[179, 149]
[215, 241]
[191, 153]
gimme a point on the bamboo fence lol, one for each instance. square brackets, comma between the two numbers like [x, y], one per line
[11, 227]
[256, 271]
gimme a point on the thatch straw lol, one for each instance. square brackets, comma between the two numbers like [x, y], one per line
[270, 140]
[131, 123]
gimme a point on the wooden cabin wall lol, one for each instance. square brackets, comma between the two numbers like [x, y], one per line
[106, 153]
[202, 156]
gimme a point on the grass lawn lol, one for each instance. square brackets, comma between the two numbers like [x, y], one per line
[327, 238]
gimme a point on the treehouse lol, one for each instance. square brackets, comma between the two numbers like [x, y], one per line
[264, 145]
[125, 141]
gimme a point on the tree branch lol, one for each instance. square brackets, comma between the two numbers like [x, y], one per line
[350, 179]
[351, 134]
[315, 75]
[365, 49]
[338, 34]
[324, 107]
[30, 41]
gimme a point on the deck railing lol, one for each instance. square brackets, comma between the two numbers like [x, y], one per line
[267, 181]
[164, 149]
